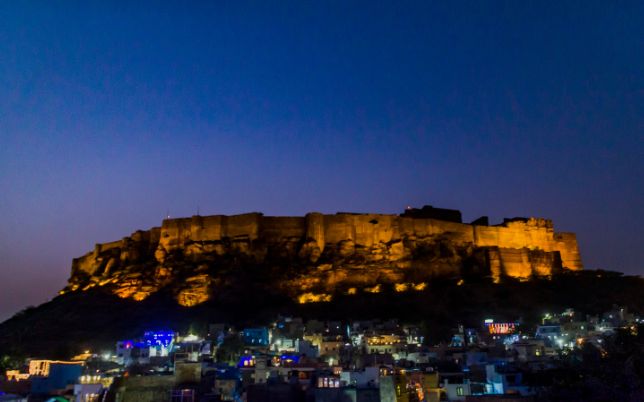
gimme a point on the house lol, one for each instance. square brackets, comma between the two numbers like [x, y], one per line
[130, 352]
[226, 385]
[504, 379]
[259, 337]
[53, 375]
[368, 377]
[455, 386]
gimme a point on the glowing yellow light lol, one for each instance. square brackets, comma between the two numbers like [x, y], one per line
[140, 296]
[124, 293]
[460, 282]
[313, 298]
[400, 287]
[192, 297]
[373, 289]
[420, 286]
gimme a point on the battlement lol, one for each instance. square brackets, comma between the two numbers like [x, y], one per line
[518, 247]
[364, 230]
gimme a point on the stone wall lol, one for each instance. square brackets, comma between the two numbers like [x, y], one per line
[144, 389]
[355, 248]
[364, 230]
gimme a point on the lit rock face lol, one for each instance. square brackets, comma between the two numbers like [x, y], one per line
[312, 257]
[196, 290]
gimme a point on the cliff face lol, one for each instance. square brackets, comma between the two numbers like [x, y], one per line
[312, 257]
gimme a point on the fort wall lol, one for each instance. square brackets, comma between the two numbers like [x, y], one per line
[366, 230]
[517, 247]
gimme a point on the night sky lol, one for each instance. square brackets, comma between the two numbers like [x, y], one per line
[112, 115]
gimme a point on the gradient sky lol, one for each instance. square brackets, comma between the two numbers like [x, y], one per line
[112, 114]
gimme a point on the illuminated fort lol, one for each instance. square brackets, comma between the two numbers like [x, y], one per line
[347, 252]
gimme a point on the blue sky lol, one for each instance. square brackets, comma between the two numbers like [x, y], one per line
[112, 114]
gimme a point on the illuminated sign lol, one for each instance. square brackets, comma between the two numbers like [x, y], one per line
[289, 359]
[246, 361]
[158, 338]
[501, 328]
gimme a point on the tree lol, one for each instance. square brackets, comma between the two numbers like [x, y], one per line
[230, 350]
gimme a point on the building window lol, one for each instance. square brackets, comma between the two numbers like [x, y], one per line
[459, 391]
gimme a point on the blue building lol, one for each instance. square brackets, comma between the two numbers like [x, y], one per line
[256, 336]
[60, 376]
[160, 339]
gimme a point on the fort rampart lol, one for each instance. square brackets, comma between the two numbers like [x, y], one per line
[518, 245]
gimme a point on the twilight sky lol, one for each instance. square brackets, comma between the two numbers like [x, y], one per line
[112, 114]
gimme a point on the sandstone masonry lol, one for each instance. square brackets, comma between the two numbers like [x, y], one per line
[342, 249]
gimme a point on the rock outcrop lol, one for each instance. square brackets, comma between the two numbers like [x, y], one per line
[312, 257]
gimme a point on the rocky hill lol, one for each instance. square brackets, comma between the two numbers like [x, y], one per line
[318, 257]
[95, 319]
[424, 265]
